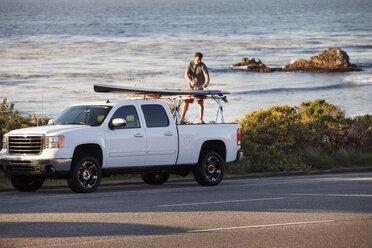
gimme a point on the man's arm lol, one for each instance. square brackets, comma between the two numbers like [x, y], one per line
[206, 76]
[188, 78]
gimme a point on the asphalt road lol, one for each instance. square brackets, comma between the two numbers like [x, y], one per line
[332, 210]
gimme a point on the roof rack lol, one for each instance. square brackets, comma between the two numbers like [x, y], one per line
[176, 96]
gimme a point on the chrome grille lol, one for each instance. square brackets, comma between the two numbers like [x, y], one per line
[25, 144]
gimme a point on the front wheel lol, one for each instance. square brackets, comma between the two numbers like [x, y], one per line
[27, 183]
[155, 178]
[210, 169]
[85, 175]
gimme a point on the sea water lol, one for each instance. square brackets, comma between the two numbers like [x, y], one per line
[52, 52]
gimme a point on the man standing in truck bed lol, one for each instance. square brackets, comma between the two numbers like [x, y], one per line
[197, 77]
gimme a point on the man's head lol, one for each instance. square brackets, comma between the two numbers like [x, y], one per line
[197, 58]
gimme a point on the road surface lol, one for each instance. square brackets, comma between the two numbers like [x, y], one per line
[333, 210]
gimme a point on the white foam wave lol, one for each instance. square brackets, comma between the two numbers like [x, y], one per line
[360, 79]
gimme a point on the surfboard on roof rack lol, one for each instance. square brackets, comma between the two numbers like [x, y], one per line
[153, 93]
[105, 88]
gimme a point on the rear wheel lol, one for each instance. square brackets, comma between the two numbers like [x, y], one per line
[85, 174]
[210, 169]
[155, 178]
[27, 183]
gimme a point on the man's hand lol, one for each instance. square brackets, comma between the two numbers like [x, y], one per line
[205, 85]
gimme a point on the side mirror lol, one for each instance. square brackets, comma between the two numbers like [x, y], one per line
[50, 122]
[118, 122]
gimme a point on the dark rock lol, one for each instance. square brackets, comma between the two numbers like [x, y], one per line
[331, 60]
[244, 62]
[253, 65]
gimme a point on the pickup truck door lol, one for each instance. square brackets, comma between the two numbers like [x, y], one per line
[161, 133]
[126, 146]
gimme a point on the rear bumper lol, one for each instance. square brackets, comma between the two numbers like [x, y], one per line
[44, 167]
[239, 155]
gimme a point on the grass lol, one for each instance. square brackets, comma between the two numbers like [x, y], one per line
[4, 181]
[341, 158]
[317, 158]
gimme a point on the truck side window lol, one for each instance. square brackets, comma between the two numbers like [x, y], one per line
[155, 115]
[129, 114]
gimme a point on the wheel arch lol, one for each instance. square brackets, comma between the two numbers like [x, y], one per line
[214, 145]
[91, 149]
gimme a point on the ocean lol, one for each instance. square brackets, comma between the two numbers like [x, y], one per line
[52, 52]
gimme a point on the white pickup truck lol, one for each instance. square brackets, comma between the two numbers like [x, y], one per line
[88, 141]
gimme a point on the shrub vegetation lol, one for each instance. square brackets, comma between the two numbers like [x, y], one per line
[315, 135]
[11, 119]
[271, 139]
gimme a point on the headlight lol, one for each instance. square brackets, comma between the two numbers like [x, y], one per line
[5, 142]
[54, 141]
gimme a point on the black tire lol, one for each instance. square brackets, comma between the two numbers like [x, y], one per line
[85, 175]
[210, 169]
[155, 178]
[27, 183]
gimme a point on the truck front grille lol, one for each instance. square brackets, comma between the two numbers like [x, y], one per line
[25, 144]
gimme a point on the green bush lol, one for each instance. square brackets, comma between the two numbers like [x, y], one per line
[333, 130]
[327, 122]
[271, 140]
[10, 119]
[360, 133]
[317, 135]
[337, 141]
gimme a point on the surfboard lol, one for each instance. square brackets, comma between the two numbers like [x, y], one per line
[105, 88]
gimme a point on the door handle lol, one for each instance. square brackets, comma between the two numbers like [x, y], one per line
[138, 135]
[169, 133]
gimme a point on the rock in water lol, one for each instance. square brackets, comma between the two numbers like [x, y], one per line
[331, 60]
[253, 65]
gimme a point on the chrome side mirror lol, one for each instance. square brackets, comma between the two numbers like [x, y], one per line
[118, 122]
[50, 122]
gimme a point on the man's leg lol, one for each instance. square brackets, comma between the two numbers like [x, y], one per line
[201, 111]
[184, 110]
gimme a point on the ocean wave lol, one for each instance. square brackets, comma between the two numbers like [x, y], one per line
[365, 66]
[358, 47]
[303, 89]
[16, 82]
[222, 70]
[22, 77]
[360, 78]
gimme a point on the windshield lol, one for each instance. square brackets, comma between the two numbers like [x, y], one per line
[84, 115]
